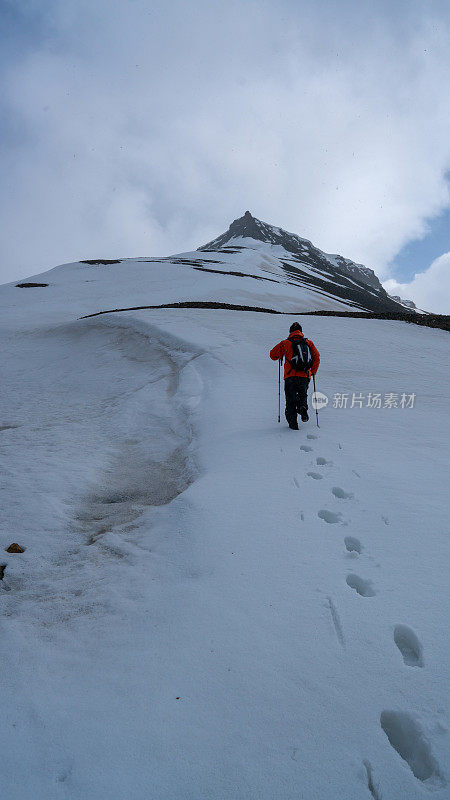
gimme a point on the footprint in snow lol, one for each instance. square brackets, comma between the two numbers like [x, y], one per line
[311, 436]
[306, 448]
[409, 646]
[329, 516]
[407, 738]
[321, 461]
[8, 426]
[338, 492]
[361, 586]
[352, 545]
[315, 475]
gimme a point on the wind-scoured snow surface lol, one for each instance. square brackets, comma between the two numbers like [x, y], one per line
[209, 604]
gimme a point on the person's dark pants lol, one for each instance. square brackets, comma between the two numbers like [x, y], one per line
[296, 391]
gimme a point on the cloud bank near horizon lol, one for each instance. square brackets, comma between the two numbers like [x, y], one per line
[145, 128]
[429, 286]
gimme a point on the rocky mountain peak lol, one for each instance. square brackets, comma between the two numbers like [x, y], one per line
[249, 227]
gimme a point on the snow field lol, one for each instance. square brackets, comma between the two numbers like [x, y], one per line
[79, 288]
[211, 605]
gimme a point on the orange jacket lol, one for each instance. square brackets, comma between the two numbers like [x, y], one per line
[284, 348]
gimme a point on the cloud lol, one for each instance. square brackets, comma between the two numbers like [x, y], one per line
[139, 128]
[430, 290]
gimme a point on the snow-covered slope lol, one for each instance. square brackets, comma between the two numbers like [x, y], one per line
[349, 280]
[210, 605]
[272, 270]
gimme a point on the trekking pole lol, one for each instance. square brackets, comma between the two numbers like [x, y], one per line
[279, 388]
[317, 414]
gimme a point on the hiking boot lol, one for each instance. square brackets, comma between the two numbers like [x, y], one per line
[304, 415]
[293, 426]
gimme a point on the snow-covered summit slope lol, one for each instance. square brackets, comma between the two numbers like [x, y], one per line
[275, 270]
[302, 252]
[210, 605]
[254, 277]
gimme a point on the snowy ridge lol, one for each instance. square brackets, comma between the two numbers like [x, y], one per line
[406, 303]
[209, 604]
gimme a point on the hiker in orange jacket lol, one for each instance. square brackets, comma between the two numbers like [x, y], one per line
[296, 379]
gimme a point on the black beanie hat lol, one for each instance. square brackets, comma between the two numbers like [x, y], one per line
[295, 327]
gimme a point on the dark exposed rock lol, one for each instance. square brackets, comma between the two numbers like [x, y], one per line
[15, 548]
[441, 321]
[341, 286]
[236, 274]
[28, 285]
[207, 304]
[428, 320]
[101, 261]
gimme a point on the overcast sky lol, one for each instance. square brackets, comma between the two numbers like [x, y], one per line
[132, 127]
